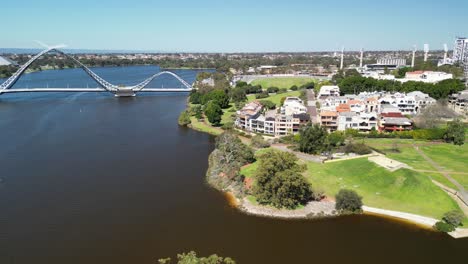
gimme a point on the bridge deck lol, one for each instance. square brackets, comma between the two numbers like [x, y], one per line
[26, 90]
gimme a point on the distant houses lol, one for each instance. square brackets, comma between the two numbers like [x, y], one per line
[370, 111]
[364, 112]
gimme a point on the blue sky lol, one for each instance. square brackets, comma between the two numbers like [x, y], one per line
[233, 26]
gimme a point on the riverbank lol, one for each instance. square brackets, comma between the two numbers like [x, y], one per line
[314, 209]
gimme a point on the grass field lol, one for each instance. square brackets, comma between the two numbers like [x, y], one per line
[403, 190]
[276, 98]
[407, 154]
[282, 82]
[450, 157]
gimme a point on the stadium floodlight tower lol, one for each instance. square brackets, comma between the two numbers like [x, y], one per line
[362, 57]
[445, 53]
[342, 58]
[426, 52]
[414, 56]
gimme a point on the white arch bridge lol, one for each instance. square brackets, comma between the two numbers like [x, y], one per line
[106, 86]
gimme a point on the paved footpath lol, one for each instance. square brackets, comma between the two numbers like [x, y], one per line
[463, 194]
[418, 219]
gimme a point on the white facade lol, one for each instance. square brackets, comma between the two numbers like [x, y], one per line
[329, 91]
[293, 106]
[392, 61]
[358, 121]
[427, 76]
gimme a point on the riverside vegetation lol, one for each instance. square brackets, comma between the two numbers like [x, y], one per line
[268, 177]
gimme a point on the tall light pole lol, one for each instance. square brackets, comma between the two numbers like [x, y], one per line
[362, 57]
[414, 56]
[445, 53]
[342, 58]
[426, 52]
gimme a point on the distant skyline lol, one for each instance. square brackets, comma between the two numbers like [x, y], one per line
[238, 26]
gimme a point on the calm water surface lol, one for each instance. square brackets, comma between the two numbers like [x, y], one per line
[89, 178]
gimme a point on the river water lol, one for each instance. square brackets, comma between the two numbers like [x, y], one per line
[89, 178]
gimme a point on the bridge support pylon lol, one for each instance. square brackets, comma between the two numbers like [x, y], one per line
[125, 92]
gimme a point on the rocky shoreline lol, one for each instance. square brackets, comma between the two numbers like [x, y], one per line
[313, 209]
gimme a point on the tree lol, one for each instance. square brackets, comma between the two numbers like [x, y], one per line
[268, 104]
[352, 72]
[218, 96]
[313, 139]
[238, 95]
[454, 218]
[197, 111]
[233, 150]
[259, 142]
[455, 132]
[196, 97]
[336, 138]
[192, 258]
[279, 180]
[184, 118]
[450, 221]
[348, 201]
[213, 112]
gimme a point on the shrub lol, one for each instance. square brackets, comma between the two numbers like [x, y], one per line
[282, 90]
[348, 201]
[444, 227]
[259, 142]
[294, 88]
[272, 89]
[184, 118]
[261, 95]
[453, 218]
[228, 126]
[358, 148]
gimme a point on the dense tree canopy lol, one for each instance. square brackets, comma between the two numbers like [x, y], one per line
[279, 180]
[213, 112]
[313, 139]
[348, 201]
[455, 132]
[356, 85]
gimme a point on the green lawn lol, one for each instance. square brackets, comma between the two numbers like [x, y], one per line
[407, 154]
[227, 114]
[448, 156]
[402, 190]
[203, 127]
[276, 98]
[283, 82]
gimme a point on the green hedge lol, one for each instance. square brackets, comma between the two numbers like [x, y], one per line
[419, 134]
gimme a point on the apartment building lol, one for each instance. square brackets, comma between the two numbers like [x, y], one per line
[284, 121]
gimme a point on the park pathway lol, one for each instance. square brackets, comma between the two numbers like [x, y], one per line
[462, 193]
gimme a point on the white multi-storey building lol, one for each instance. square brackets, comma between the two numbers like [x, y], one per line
[460, 50]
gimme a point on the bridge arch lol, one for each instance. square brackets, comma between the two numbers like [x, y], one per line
[105, 84]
